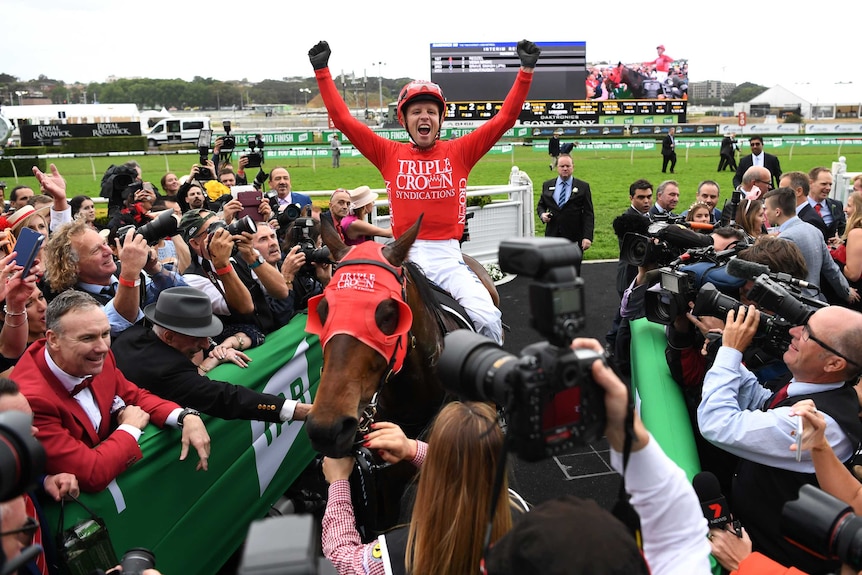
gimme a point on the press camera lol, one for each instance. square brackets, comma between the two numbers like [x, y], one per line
[551, 401]
[824, 526]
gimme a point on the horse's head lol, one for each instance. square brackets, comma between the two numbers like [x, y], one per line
[616, 74]
[363, 323]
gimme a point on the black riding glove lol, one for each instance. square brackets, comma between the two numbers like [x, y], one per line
[528, 52]
[319, 55]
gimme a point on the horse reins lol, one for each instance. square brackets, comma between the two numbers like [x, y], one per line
[370, 411]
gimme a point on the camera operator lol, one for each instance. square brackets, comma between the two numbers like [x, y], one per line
[742, 417]
[672, 524]
[632, 302]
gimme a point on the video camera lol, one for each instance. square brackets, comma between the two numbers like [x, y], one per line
[255, 159]
[658, 239]
[788, 306]
[301, 236]
[204, 140]
[682, 280]
[824, 526]
[535, 387]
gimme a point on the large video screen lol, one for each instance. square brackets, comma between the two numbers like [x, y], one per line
[661, 77]
[566, 90]
[485, 71]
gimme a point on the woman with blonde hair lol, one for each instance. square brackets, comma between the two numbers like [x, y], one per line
[454, 493]
[848, 254]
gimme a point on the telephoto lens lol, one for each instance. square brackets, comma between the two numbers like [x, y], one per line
[136, 560]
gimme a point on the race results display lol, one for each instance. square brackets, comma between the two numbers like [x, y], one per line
[476, 76]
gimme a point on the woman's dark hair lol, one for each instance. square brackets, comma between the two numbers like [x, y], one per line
[76, 202]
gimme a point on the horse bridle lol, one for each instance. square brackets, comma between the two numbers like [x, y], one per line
[368, 414]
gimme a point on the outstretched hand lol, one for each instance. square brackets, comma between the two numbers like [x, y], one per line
[319, 55]
[528, 52]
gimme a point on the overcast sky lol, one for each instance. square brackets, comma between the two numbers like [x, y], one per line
[88, 40]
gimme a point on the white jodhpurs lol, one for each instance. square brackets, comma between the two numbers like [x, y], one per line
[442, 263]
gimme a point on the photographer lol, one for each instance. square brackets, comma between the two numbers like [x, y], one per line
[76, 256]
[306, 275]
[226, 267]
[672, 524]
[744, 418]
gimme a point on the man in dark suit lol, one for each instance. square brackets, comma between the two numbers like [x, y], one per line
[800, 184]
[160, 359]
[832, 211]
[566, 206]
[668, 151]
[727, 153]
[757, 157]
[666, 198]
[640, 194]
[88, 415]
[822, 270]
[554, 148]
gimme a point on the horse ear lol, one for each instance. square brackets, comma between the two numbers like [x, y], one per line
[396, 252]
[330, 237]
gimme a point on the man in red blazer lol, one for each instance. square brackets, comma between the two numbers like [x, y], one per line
[89, 416]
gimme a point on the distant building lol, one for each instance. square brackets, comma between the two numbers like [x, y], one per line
[823, 101]
[710, 89]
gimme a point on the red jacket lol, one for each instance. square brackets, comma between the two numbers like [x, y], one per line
[432, 181]
[757, 564]
[67, 434]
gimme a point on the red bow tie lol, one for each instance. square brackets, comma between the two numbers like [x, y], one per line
[81, 386]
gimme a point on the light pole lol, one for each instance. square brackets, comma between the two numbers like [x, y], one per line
[306, 92]
[365, 89]
[380, 84]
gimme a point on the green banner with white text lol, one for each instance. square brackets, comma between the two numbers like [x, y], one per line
[194, 520]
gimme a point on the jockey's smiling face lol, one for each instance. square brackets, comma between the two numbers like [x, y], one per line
[423, 122]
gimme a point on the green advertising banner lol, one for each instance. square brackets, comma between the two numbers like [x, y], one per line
[269, 138]
[194, 520]
[400, 134]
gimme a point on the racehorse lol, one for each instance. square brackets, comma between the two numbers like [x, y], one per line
[635, 81]
[382, 332]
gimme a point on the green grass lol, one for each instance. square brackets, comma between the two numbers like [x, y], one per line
[609, 174]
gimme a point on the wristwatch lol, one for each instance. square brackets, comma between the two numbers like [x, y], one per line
[187, 411]
[256, 264]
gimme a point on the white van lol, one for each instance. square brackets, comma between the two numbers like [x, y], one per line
[177, 130]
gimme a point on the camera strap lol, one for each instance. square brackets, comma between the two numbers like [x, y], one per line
[623, 509]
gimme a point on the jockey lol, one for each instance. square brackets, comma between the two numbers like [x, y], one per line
[429, 176]
[661, 63]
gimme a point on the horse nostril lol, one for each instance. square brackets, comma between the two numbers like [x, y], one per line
[348, 427]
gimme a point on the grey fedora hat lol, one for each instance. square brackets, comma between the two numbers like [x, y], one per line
[185, 310]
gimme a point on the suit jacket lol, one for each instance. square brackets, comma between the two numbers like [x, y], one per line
[770, 162]
[839, 218]
[71, 443]
[626, 272]
[821, 267]
[154, 365]
[807, 214]
[727, 148]
[668, 145]
[575, 220]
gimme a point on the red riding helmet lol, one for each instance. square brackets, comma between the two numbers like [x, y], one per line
[417, 91]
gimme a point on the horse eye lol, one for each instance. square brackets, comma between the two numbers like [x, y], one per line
[386, 316]
[322, 310]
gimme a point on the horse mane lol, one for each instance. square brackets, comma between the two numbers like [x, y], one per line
[424, 287]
